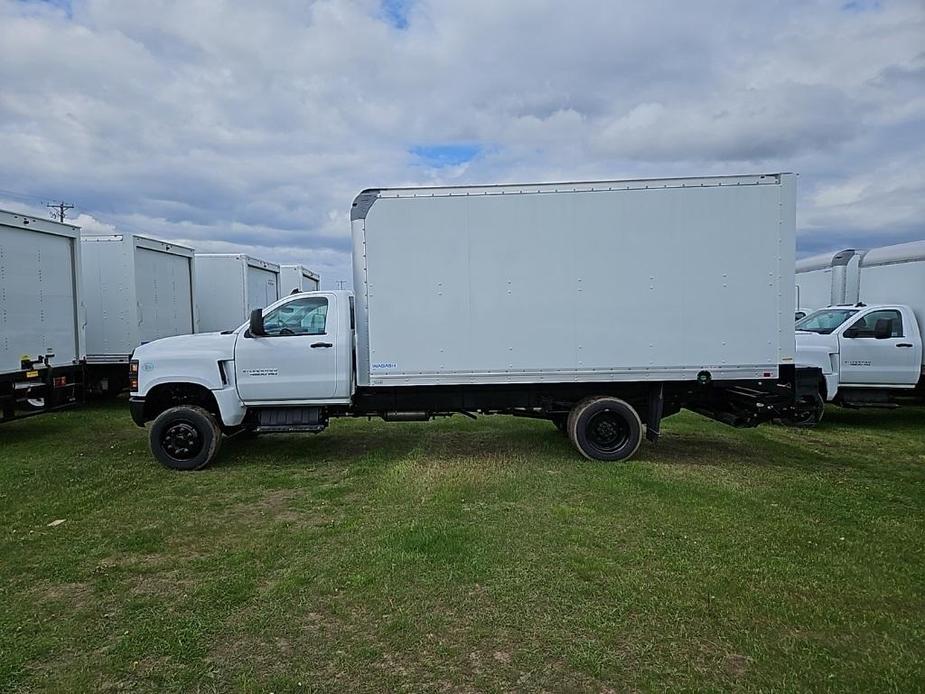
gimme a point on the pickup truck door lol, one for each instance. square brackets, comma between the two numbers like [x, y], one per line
[866, 360]
[296, 360]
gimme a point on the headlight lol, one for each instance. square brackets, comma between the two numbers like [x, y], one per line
[133, 375]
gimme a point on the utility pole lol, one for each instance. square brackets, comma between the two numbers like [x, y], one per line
[59, 209]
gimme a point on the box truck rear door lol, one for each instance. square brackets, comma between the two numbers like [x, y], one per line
[296, 360]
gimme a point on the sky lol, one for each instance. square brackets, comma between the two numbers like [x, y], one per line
[249, 127]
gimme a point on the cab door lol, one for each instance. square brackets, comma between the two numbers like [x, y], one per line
[296, 360]
[866, 359]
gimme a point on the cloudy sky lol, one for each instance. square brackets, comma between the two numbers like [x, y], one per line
[236, 125]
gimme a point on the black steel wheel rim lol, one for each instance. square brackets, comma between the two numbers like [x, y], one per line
[182, 441]
[608, 431]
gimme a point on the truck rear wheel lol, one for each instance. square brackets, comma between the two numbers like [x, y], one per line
[185, 438]
[605, 428]
[807, 414]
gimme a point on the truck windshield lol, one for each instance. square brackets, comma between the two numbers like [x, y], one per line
[825, 320]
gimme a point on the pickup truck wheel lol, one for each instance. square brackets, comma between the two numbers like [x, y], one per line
[605, 428]
[185, 438]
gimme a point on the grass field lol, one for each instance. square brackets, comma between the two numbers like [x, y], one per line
[461, 555]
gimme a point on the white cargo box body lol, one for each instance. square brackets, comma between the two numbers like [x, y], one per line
[229, 286]
[827, 279]
[297, 277]
[136, 289]
[40, 305]
[655, 280]
[895, 275]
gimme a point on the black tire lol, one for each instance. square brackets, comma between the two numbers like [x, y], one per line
[605, 428]
[185, 438]
[809, 415]
[561, 423]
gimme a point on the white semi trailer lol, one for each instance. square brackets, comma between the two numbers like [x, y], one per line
[297, 278]
[454, 313]
[41, 316]
[868, 342]
[231, 285]
[136, 289]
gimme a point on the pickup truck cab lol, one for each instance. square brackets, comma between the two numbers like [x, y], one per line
[868, 355]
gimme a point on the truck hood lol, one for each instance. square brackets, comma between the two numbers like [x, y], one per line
[808, 339]
[214, 346]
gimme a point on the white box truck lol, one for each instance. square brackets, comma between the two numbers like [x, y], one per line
[826, 279]
[41, 316]
[231, 285]
[136, 289]
[454, 313]
[297, 278]
[868, 343]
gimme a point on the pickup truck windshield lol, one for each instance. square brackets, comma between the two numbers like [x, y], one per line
[825, 321]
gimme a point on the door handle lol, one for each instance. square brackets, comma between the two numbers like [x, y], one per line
[327, 344]
[904, 344]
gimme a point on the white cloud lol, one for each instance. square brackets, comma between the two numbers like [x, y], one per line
[251, 125]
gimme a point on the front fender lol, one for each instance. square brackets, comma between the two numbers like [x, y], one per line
[826, 361]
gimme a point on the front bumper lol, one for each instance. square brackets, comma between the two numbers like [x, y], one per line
[136, 407]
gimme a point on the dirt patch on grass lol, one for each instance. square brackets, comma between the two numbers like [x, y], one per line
[288, 506]
[70, 593]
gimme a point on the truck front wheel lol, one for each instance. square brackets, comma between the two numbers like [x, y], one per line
[605, 428]
[185, 438]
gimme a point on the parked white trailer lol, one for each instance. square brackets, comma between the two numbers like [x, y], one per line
[454, 313]
[231, 285]
[136, 289]
[869, 342]
[297, 278]
[41, 317]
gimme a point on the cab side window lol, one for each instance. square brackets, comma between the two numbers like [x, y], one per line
[304, 316]
[866, 325]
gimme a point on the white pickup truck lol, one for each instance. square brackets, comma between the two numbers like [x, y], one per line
[454, 312]
[870, 356]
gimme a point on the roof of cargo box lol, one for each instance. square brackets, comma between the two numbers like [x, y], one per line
[825, 260]
[900, 253]
[301, 268]
[25, 221]
[142, 241]
[365, 199]
[250, 260]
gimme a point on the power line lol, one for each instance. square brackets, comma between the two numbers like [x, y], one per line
[59, 209]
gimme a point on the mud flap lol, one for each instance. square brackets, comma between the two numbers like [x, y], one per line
[654, 411]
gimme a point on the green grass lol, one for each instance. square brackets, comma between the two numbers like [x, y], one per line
[465, 556]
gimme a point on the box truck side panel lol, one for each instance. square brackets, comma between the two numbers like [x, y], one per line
[163, 284]
[814, 288]
[900, 283]
[109, 296]
[38, 307]
[650, 285]
[219, 292]
[262, 288]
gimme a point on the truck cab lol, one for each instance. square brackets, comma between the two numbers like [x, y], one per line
[869, 355]
[297, 351]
